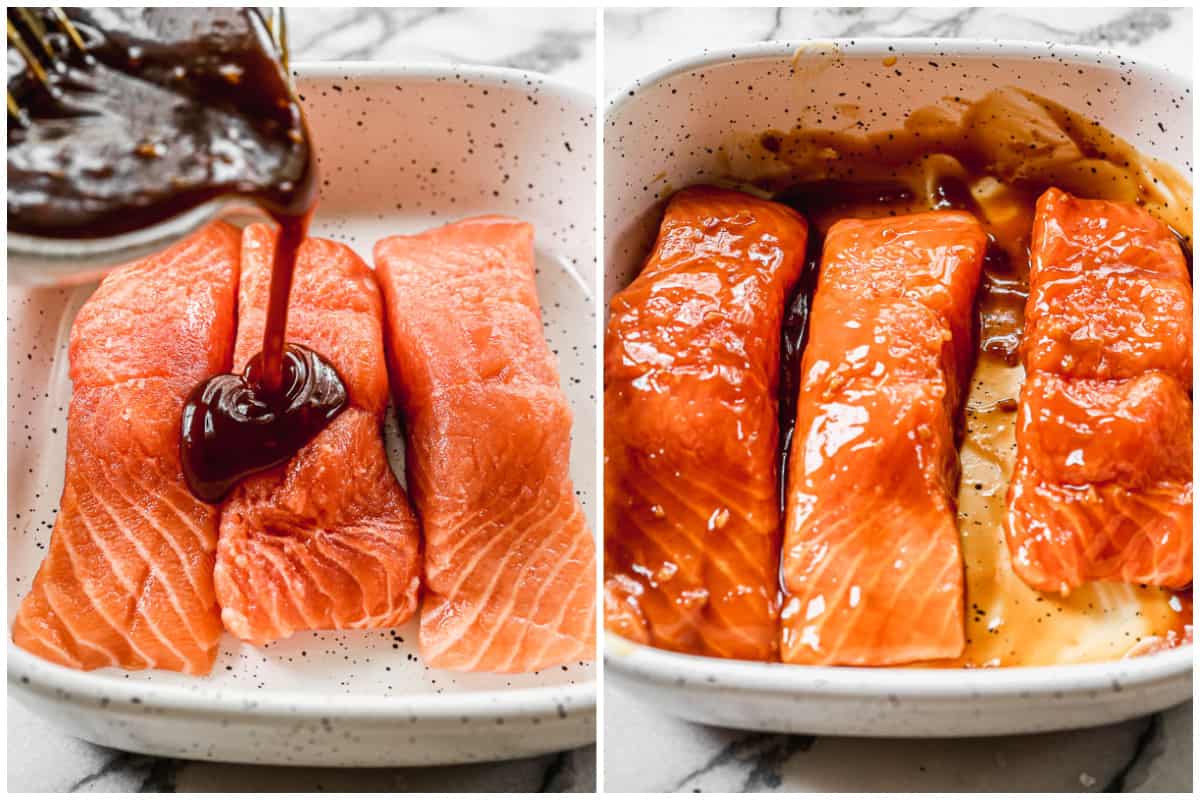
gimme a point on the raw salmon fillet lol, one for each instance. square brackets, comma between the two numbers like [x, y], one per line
[871, 562]
[509, 561]
[692, 525]
[1102, 489]
[328, 540]
[127, 581]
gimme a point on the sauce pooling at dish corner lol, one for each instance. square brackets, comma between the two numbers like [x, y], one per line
[977, 156]
[165, 110]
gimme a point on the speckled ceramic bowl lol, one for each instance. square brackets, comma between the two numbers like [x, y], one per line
[400, 149]
[667, 131]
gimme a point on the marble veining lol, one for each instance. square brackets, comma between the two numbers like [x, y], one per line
[645, 750]
[638, 40]
[42, 759]
[557, 42]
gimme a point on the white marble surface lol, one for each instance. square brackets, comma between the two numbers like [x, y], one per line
[559, 42]
[647, 751]
[555, 41]
[639, 40]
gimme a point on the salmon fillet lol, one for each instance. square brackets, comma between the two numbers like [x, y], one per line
[127, 580]
[691, 372]
[1102, 488]
[871, 562]
[509, 560]
[328, 540]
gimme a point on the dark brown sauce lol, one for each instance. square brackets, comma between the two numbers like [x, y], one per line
[1003, 290]
[167, 109]
[236, 425]
[292, 230]
[975, 156]
[791, 352]
[233, 426]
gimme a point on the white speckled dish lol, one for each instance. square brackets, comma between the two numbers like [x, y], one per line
[400, 149]
[666, 132]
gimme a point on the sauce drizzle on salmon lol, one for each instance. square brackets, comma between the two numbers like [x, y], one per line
[327, 540]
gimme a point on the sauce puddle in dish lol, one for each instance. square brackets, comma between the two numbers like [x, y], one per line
[991, 157]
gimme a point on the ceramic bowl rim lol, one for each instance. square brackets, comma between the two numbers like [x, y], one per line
[509, 77]
[882, 47]
[664, 666]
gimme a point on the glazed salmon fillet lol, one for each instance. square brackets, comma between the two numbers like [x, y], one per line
[692, 526]
[127, 579]
[509, 560]
[328, 540]
[872, 569]
[1102, 488]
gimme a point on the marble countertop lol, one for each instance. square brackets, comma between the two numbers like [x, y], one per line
[639, 40]
[559, 42]
[647, 751]
[554, 41]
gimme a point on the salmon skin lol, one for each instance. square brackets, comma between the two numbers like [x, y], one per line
[128, 578]
[509, 561]
[691, 372]
[328, 540]
[871, 563]
[1102, 488]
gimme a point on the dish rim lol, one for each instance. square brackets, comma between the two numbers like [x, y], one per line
[32, 674]
[504, 76]
[926, 683]
[666, 666]
[871, 46]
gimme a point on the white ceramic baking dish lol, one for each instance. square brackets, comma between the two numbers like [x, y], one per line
[674, 128]
[400, 149]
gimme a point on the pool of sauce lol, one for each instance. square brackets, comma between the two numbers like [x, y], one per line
[233, 426]
[167, 109]
[992, 157]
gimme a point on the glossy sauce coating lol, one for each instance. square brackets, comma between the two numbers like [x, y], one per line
[692, 354]
[1103, 481]
[871, 564]
[236, 425]
[955, 155]
[231, 428]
